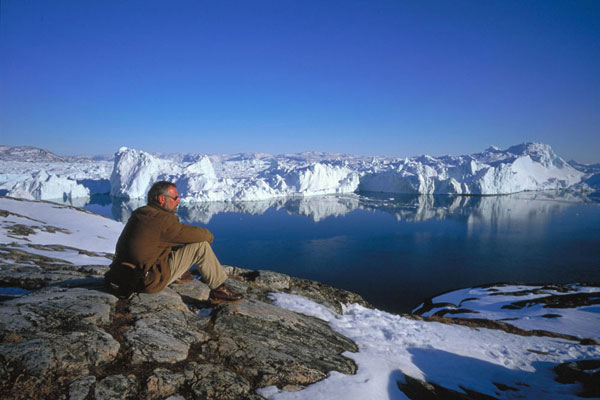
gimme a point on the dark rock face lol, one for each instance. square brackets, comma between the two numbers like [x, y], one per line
[72, 340]
[25, 269]
[585, 372]
[417, 389]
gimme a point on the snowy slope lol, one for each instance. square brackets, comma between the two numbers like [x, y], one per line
[258, 176]
[50, 225]
[527, 307]
[456, 357]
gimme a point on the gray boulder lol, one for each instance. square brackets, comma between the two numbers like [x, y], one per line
[57, 329]
[164, 328]
[71, 340]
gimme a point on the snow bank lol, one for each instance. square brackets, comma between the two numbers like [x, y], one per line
[58, 225]
[524, 306]
[456, 357]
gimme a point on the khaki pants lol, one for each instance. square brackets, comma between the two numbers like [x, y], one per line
[202, 255]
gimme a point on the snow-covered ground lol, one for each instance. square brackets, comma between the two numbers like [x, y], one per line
[258, 176]
[78, 233]
[526, 307]
[456, 357]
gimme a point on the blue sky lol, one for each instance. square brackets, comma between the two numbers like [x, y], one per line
[394, 78]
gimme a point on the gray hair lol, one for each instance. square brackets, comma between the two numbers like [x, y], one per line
[158, 188]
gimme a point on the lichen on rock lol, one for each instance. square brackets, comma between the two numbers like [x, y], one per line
[76, 341]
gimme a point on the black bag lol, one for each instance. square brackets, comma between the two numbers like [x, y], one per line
[124, 280]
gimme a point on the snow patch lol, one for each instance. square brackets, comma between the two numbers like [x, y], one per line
[456, 357]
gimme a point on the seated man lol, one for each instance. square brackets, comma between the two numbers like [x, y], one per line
[155, 249]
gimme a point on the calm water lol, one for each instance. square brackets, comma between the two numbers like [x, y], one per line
[397, 250]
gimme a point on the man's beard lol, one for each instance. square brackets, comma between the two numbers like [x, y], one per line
[172, 211]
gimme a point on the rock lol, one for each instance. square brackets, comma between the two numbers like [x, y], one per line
[116, 387]
[585, 372]
[58, 329]
[22, 268]
[324, 294]
[193, 292]
[73, 352]
[209, 381]
[276, 346]
[72, 340]
[272, 280]
[237, 271]
[163, 383]
[164, 328]
[418, 389]
[80, 388]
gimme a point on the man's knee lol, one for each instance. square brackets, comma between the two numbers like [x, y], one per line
[199, 248]
[195, 245]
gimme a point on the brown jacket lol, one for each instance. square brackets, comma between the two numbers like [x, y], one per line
[146, 242]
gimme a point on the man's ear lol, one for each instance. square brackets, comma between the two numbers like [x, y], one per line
[160, 199]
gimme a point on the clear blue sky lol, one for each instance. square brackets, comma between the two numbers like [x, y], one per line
[371, 77]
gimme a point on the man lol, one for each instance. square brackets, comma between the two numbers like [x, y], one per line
[155, 250]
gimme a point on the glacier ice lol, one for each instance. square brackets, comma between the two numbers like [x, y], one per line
[259, 176]
[135, 171]
[42, 186]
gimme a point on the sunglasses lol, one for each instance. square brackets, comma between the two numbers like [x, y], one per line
[174, 198]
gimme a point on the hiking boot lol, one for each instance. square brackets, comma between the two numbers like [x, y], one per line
[223, 293]
[186, 277]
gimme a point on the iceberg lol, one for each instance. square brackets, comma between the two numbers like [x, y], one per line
[525, 167]
[135, 171]
[44, 186]
[259, 176]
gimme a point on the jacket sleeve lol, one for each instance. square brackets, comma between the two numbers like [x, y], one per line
[175, 232]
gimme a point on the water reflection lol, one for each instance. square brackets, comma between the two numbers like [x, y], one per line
[481, 213]
[316, 208]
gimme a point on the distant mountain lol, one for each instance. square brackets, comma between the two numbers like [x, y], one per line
[28, 154]
[35, 154]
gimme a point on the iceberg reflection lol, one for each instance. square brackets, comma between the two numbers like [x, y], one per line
[481, 213]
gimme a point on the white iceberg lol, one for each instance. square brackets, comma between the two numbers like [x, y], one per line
[258, 176]
[135, 171]
[526, 167]
[44, 186]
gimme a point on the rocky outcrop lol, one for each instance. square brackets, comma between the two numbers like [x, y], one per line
[70, 339]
